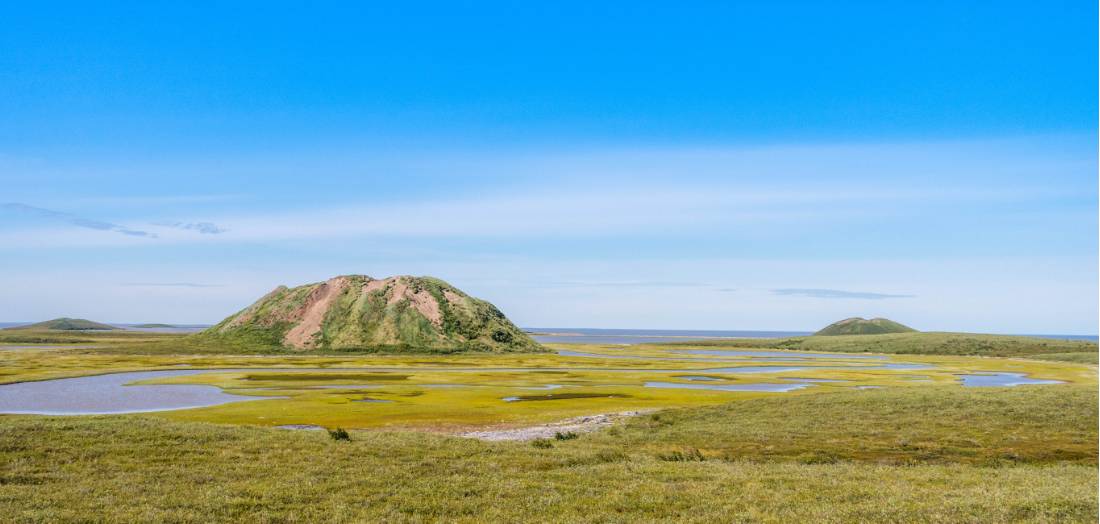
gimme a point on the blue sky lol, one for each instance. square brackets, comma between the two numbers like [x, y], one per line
[736, 165]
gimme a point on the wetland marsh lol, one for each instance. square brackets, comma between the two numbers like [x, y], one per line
[719, 423]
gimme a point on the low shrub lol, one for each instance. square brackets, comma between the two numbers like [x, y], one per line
[339, 434]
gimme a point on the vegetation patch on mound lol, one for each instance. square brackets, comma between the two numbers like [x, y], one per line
[66, 324]
[862, 326]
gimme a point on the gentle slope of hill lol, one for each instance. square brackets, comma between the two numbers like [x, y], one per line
[68, 324]
[862, 326]
[360, 312]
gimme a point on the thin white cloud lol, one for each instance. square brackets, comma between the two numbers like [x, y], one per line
[646, 192]
[169, 284]
[622, 283]
[835, 293]
[575, 212]
[206, 228]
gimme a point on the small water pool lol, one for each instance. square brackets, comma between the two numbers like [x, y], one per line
[775, 388]
[781, 354]
[991, 379]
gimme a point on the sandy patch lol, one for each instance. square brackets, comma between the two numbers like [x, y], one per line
[397, 293]
[375, 285]
[453, 298]
[421, 300]
[303, 334]
[425, 303]
[585, 424]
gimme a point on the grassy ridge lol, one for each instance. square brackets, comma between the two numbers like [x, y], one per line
[142, 468]
[67, 324]
[962, 344]
[106, 339]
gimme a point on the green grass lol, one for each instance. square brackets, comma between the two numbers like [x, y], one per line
[1032, 424]
[757, 460]
[1088, 357]
[112, 339]
[922, 450]
[962, 344]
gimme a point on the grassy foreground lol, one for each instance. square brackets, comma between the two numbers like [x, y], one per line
[754, 460]
[921, 449]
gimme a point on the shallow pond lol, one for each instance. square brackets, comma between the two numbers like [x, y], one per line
[769, 358]
[978, 380]
[777, 388]
[561, 396]
[840, 366]
[781, 354]
[109, 394]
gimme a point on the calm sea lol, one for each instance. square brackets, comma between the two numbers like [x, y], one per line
[656, 336]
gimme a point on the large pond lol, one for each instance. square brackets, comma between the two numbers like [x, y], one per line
[110, 394]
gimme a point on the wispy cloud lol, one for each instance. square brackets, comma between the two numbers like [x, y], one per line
[75, 220]
[835, 293]
[168, 284]
[206, 228]
[625, 283]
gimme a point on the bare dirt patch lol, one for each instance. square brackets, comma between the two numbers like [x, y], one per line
[303, 335]
[585, 424]
[453, 298]
[376, 285]
[397, 293]
[425, 303]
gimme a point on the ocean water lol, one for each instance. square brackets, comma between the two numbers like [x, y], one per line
[645, 336]
[657, 336]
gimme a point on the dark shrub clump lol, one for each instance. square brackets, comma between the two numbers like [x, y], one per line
[339, 434]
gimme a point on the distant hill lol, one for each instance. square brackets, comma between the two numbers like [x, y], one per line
[68, 324]
[862, 326]
[359, 312]
[151, 326]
